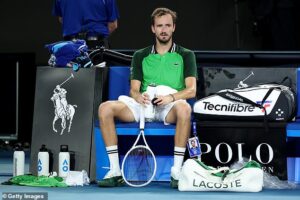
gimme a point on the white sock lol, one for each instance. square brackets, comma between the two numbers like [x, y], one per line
[178, 156]
[113, 156]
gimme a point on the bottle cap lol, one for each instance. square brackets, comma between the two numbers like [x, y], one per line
[18, 147]
[43, 148]
[64, 148]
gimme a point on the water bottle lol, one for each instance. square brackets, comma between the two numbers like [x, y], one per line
[63, 161]
[18, 161]
[150, 109]
[43, 161]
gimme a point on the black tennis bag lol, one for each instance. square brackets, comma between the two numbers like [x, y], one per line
[273, 102]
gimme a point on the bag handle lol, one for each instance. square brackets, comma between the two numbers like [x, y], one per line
[232, 96]
[223, 170]
[220, 172]
[215, 171]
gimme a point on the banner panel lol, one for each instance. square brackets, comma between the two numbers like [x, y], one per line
[224, 143]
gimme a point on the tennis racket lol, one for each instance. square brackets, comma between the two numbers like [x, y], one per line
[139, 163]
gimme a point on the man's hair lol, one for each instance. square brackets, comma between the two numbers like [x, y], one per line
[158, 12]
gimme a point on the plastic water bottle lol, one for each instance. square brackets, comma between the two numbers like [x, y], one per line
[63, 161]
[150, 109]
[19, 161]
[43, 161]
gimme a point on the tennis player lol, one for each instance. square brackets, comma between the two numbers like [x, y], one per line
[164, 63]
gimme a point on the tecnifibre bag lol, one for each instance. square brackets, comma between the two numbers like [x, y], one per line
[273, 102]
[196, 176]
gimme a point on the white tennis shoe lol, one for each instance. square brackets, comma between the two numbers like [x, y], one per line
[112, 173]
[112, 179]
[175, 173]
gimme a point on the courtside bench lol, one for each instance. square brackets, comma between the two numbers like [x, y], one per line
[293, 162]
[293, 138]
[119, 84]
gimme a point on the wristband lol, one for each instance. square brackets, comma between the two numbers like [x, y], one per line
[172, 97]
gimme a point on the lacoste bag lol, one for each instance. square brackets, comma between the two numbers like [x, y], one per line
[196, 176]
[273, 102]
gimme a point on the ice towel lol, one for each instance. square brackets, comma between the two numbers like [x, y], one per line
[69, 54]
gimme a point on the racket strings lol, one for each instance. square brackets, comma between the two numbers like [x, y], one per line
[139, 166]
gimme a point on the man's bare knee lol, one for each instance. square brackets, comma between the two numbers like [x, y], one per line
[115, 109]
[105, 110]
[183, 110]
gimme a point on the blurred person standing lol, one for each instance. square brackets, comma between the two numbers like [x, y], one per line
[70, 16]
[92, 20]
[100, 19]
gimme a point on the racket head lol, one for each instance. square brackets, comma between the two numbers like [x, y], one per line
[139, 166]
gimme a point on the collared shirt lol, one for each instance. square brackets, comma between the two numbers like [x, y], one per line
[169, 69]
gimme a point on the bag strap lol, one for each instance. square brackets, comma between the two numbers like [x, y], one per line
[232, 96]
[221, 172]
[221, 169]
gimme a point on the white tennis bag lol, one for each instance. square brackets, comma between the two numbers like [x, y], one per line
[264, 101]
[196, 176]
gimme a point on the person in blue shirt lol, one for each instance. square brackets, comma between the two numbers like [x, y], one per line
[69, 15]
[100, 17]
[92, 20]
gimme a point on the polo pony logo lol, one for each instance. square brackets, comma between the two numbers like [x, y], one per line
[62, 109]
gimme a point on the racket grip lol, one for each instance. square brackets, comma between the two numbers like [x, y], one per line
[142, 117]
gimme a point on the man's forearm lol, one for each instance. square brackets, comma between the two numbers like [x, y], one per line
[185, 94]
[189, 91]
[135, 94]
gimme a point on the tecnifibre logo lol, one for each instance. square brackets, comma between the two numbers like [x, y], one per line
[228, 107]
[266, 104]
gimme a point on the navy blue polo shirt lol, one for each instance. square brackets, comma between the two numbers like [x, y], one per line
[69, 10]
[97, 13]
[89, 16]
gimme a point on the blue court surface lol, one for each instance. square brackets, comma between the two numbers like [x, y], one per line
[154, 191]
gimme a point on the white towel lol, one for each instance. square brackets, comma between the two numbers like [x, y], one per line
[77, 178]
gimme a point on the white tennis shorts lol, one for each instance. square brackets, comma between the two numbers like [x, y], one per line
[161, 112]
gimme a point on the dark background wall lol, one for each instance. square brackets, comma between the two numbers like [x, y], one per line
[26, 26]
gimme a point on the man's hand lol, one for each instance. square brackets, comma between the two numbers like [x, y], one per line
[163, 100]
[112, 26]
[143, 99]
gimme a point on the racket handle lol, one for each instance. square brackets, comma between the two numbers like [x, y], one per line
[142, 117]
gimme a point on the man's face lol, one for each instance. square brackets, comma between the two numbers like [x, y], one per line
[193, 143]
[163, 28]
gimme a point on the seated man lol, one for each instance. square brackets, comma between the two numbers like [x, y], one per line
[164, 63]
